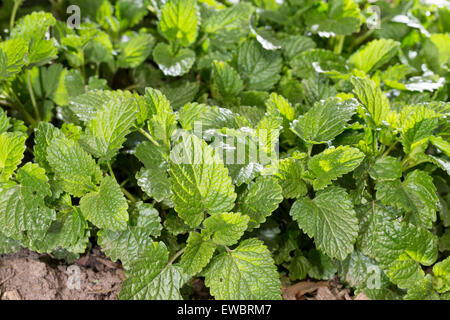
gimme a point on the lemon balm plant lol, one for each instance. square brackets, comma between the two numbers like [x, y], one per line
[248, 144]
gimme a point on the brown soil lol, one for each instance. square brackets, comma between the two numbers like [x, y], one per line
[29, 276]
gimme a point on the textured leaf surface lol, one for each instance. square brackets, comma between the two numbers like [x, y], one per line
[178, 21]
[375, 54]
[290, 177]
[259, 68]
[173, 64]
[227, 228]
[247, 272]
[386, 168]
[73, 166]
[198, 253]
[107, 207]
[330, 219]
[324, 121]
[260, 199]
[12, 147]
[200, 182]
[417, 194]
[375, 103]
[151, 278]
[333, 163]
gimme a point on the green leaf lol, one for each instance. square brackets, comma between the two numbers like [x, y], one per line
[151, 278]
[128, 245]
[259, 200]
[247, 272]
[22, 206]
[171, 63]
[73, 167]
[4, 121]
[290, 177]
[330, 219]
[135, 50]
[153, 179]
[299, 267]
[68, 231]
[198, 253]
[8, 245]
[375, 103]
[396, 239]
[227, 84]
[334, 163]
[130, 12]
[417, 123]
[375, 54]
[340, 17]
[441, 272]
[12, 147]
[372, 218]
[200, 182]
[227, 228]
[258, 67]
[107, 130]
[12, 57]
[107, 207]
[230, 18]
[178, 21]
[416, 195]
[365, 275]
[324, 121]
[278, 105]
[386, 168]
[405, 272]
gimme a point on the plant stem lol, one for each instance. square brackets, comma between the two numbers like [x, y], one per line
[111, 170]
[179, 253]
[29, 118]
[310, 146]
[148, 136]
[390, 149]
[17, 4]
[339, 44]
[361, 39]
[128, 195]
[33, 98]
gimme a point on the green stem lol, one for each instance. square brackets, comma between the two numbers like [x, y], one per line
[339, 44]
[360, 40]
[111, 170]
[148, 136]
[17, 4]
[179, 253]
[390, 149]
[33, 98]
[29, 118]
[128, 195]
[310, 146]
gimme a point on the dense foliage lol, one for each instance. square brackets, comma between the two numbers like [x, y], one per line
[248, 143]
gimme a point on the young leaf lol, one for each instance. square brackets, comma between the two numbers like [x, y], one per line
[135, 50]
[200, 182]
[333, 163]
[290, 177]
[107, 130]
[107, 207]
[324, 121]
[259, 68]
[227, 228]
[375, 103]
[171, 63]
[330, 219]
[151, 278]
[247, 272]
[198, 253]
[73, 167]
[12, 147]
[386, 168]
[12, 57]
[375, 54]
[178, 21]
[416, 194]
[260, 199]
